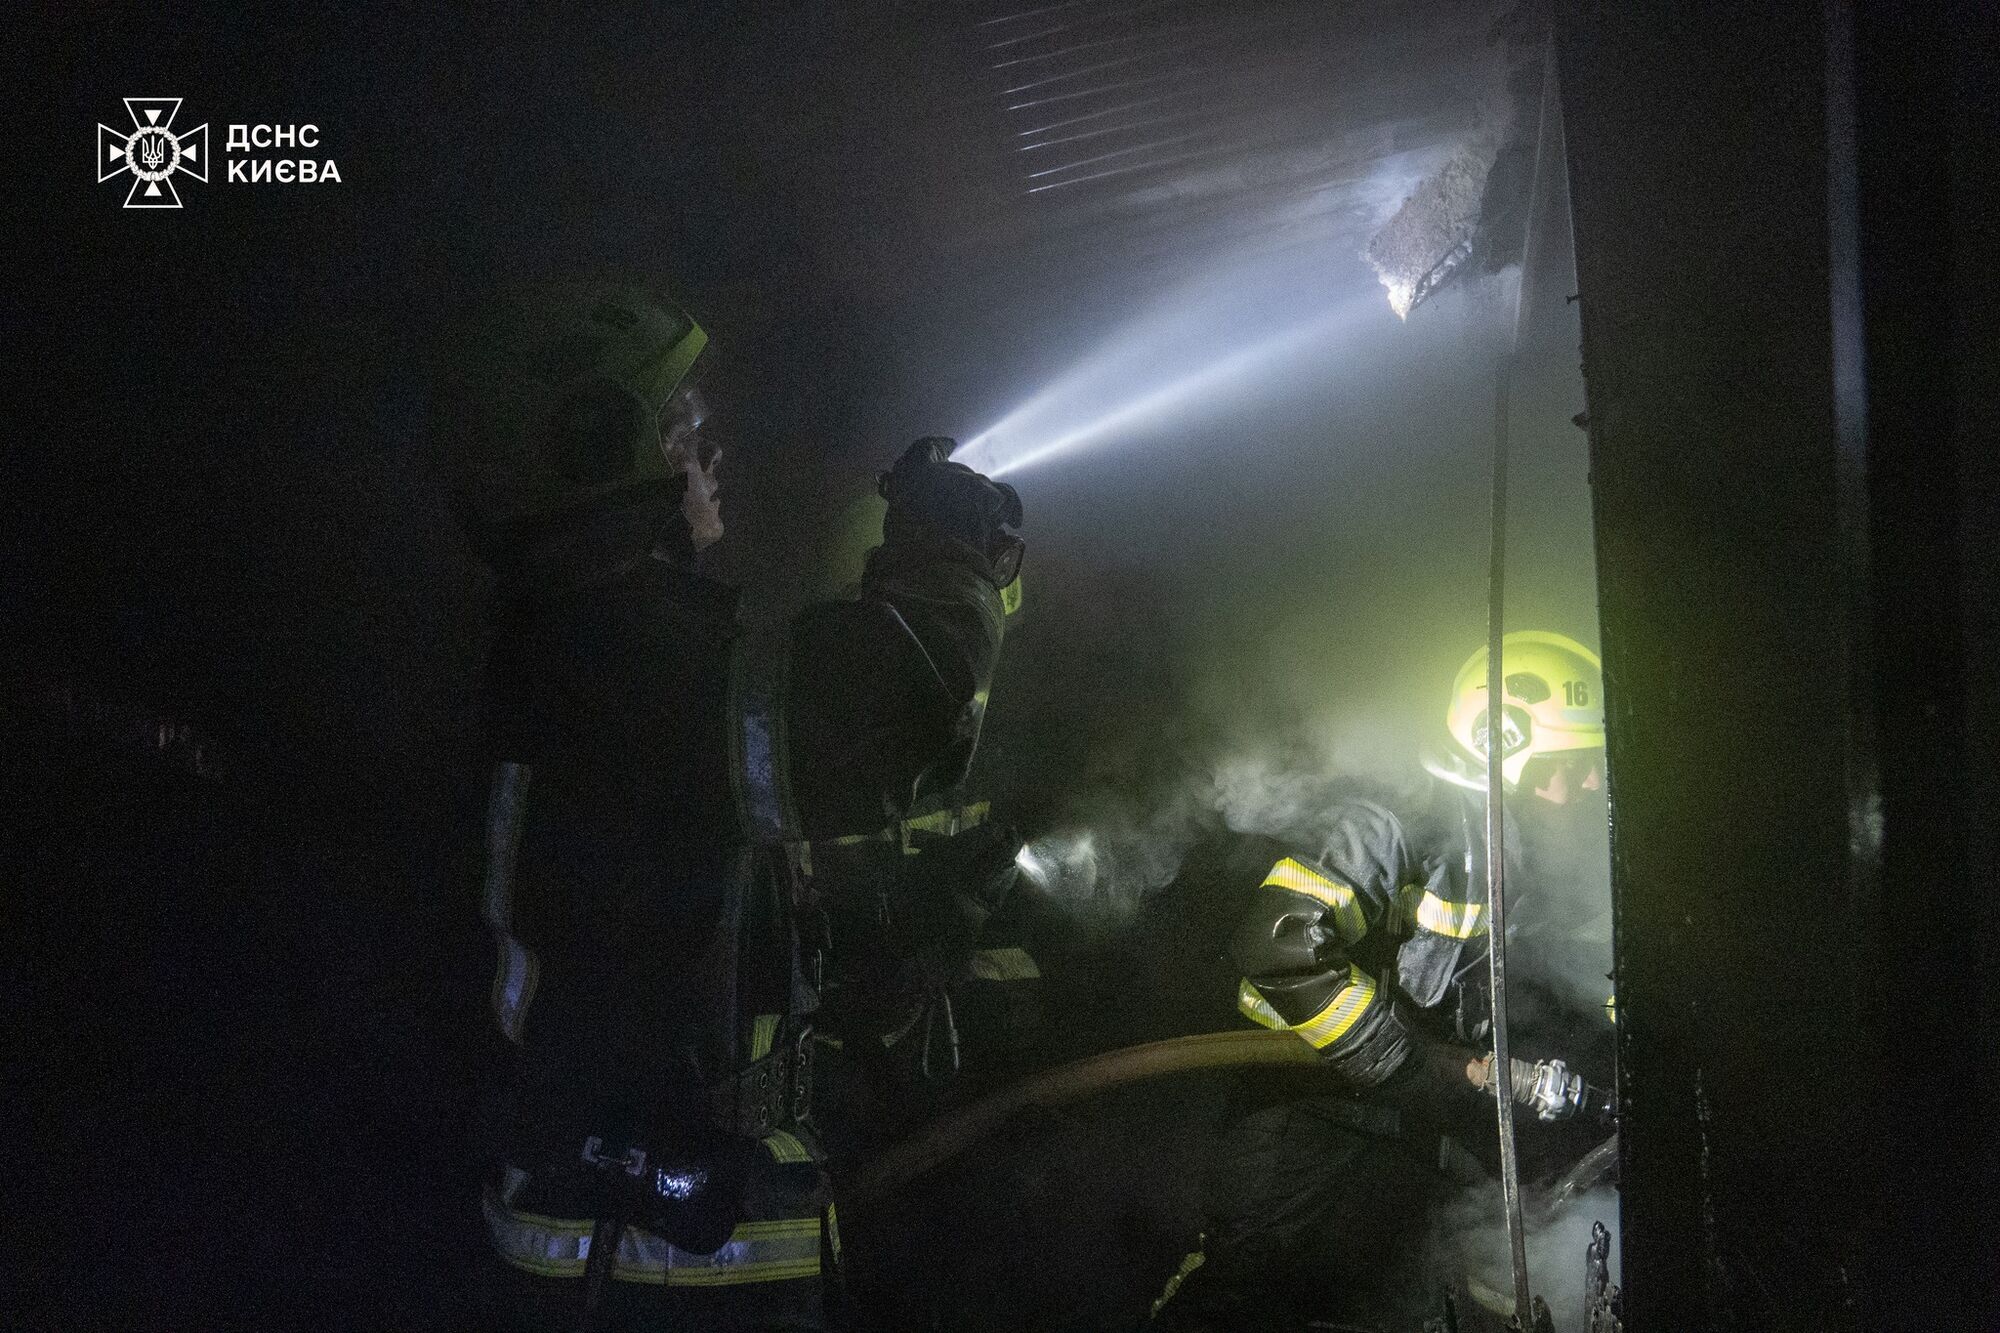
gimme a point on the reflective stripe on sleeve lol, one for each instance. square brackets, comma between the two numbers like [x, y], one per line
[947, 822]
[1298, 877]
[856, 839]
[786, 1147]
[953, 819]
[1460, 921]
[772, 1251]
[1342, 1012]
[1251, 1003]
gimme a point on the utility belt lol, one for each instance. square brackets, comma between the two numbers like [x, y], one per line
[684, 1180]
[692, 1193]
[719, 1212]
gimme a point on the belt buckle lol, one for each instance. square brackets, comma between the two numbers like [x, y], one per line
[632, 1161]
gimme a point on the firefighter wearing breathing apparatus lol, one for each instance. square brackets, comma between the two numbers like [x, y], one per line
[931, 985]
[1371, 947]
[927, 969]
[657, 767]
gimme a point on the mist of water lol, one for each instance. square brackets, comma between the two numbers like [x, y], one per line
[1469, 1241]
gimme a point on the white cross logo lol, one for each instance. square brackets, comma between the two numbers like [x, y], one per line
[152, 152]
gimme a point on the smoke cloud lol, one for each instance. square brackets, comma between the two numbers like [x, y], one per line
[1251, 590]
[1469, 1240]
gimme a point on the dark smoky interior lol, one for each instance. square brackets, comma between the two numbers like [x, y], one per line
[832, 666]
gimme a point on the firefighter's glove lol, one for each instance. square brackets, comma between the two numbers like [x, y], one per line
[961, 884]
[931, 497]
[1551, 1090]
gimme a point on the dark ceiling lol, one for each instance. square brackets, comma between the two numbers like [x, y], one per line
[895, 218]
[1139, 130]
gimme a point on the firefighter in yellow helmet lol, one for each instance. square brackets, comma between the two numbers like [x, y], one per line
[1552, 718]
[656, 766]
[1370, 947]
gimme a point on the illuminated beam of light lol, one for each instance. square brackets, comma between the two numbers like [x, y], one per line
[1007, 447]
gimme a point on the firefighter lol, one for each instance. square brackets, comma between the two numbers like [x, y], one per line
[656, 767]
[928, 969]
[1370, 946]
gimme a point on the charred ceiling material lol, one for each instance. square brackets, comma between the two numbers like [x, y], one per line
[1470, 214]
[1153, 123]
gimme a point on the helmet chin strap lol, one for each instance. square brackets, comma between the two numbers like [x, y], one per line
[1452, 769]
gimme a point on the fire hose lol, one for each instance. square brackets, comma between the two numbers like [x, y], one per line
[954, 1133]
[951, 1135]
[1594, 1170]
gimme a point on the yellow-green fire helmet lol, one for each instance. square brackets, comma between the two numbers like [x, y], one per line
[1554, 688]
[550, 398]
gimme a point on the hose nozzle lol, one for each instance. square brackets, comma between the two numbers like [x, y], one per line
[1553, 1091]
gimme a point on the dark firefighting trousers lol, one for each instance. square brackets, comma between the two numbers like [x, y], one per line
[1316, 1211]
